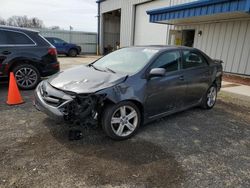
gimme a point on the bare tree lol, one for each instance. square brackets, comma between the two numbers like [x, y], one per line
[36, 23]
[24, 21]
[18, 21]
[54, 28]
[2, 21]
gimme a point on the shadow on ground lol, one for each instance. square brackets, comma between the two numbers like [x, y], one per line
[134, 161]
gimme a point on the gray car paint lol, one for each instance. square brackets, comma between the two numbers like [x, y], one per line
[157, 96]
[85, 79]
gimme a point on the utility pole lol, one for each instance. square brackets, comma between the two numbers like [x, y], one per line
[70, 34]
[98, 27]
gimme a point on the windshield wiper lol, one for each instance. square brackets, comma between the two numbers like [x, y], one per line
[91, 65]
[110, 70]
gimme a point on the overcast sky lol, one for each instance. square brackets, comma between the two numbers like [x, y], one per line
[80, 14]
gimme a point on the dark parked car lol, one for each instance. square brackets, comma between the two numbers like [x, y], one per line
[63, 47]
[132, 86]
[27, 54]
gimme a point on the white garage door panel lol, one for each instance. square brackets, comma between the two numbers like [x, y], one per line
[147, 33]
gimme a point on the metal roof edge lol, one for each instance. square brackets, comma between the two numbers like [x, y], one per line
[100, 1]
[193, 4]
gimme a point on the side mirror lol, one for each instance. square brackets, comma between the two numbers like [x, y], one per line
[157, 72]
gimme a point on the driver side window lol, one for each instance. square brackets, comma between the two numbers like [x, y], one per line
[168, 60]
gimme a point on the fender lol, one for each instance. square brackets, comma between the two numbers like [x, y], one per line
[120, 92]
[11, 61]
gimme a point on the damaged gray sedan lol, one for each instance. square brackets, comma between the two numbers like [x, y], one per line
[131, 86]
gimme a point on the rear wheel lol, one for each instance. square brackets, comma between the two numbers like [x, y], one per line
[27, 76]
[209, 99]
[72, 53]
[121, 121]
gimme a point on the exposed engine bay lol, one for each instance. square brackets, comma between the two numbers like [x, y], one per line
[84, 109]
[71, 107]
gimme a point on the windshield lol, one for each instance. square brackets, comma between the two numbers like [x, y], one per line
[126, 60]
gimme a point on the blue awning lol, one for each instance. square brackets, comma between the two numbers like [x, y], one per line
[200, 10]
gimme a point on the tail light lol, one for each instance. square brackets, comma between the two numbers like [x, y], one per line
[52, 51]
[56, 66]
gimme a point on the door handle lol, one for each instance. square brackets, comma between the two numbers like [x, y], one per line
[181, 78]
[6, 52]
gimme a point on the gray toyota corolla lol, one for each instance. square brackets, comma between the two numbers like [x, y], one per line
[131, 86]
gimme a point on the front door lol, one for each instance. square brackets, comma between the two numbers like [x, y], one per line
[165, 93]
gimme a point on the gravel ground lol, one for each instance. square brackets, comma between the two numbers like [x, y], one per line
[195, 148]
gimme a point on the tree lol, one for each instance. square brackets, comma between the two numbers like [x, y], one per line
[2, 21]
[36, 23]
[24, 21]
[54, 28]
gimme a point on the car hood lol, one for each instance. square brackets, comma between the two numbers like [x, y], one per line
[84, 79]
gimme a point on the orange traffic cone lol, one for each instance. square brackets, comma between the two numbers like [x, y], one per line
[14, 96]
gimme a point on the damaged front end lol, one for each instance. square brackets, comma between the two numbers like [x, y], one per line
[68, 106]
[84, 109]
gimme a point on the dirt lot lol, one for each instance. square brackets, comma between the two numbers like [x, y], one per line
[195, 148]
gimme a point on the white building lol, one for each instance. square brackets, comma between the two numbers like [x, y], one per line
[220, 28]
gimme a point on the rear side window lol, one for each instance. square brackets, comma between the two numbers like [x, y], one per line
[58, 41]
[3, 38]
[193, 59]
[14, 38]
[168, 60]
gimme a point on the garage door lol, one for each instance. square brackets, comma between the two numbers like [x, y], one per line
[149, 33]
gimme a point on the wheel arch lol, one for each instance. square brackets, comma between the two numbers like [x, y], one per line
[138, 104]
[73, 48]
[217, 82]
[17, 62]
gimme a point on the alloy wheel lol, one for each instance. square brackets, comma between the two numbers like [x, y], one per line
[26, 77]
[124, 121]
[72, 53]
[211, 96]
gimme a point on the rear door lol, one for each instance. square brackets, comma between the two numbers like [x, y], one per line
[11, 43]
[3, 56]
[197, 74]
[166, 93]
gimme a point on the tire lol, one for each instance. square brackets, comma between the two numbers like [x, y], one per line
[210, 97]
[27, 76]
[126, 126]
[72, 53]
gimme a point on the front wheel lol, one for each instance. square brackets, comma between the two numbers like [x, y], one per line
[209, 99]
[121, 121]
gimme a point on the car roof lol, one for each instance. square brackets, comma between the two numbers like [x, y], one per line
[17, 29]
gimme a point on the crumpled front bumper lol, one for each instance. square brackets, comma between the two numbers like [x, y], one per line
[41, 101]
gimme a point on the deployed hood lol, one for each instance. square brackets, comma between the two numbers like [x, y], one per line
[84, 79]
